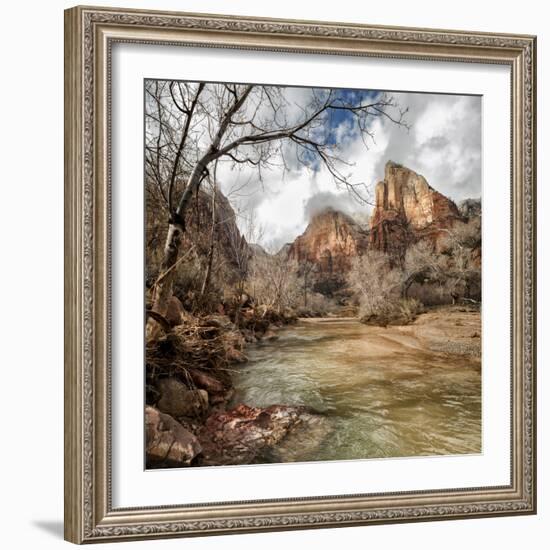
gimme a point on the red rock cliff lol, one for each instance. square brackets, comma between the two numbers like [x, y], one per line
[330, 242]
[407, 209]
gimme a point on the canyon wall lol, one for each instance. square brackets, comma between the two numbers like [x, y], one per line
[408, 209]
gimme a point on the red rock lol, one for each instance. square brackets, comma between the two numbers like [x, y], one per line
[246, 435]
[331, 240]
[408, 209]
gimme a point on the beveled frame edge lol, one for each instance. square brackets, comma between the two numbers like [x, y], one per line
[89, 33]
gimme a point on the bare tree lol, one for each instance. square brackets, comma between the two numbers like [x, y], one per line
[275, 281]
[421, 265]
[306, 269]
[374, 280]
[253, 230]
[463, 246]
[190, 126]
[454, 268]
[211, 246]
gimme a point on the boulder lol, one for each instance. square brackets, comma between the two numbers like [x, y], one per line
[176, 399]
[167, 443]
[206, 381]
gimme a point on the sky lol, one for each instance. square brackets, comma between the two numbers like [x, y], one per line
[442, 142]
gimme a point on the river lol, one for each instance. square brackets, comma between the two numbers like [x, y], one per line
[382, 395]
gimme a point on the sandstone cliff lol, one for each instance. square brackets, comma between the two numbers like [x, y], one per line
[407, 209]
[330, 242]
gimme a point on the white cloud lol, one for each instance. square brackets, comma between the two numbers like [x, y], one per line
[282, 214]
[443, 144]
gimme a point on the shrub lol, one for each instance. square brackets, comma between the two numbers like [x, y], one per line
[392, 312]
[318, 305]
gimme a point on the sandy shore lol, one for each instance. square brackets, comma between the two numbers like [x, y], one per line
[446, 329]
[452, 330]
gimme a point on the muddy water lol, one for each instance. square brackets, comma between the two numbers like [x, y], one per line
[381, 393]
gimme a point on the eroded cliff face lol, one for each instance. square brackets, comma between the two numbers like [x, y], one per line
[407, 209]
[330, 242]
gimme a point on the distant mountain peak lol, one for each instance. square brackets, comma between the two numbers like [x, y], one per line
[331, 240]
[407, 208]
[330, 213]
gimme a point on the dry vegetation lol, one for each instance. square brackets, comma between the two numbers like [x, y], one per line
[448, 271]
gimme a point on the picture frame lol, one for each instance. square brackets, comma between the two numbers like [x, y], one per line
[90, 35]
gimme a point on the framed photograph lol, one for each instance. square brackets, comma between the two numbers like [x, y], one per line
[300, 274]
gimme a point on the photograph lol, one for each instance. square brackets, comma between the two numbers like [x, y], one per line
[313, 274]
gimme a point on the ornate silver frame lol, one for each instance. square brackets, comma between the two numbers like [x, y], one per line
[89, 35]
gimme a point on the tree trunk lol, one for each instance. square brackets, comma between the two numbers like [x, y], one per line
[163, 287]
[162, 291]
[207, 275]
[238, 301]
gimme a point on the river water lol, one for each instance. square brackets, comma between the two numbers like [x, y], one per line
[380, 397]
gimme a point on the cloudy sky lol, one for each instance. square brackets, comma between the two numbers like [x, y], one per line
[443, 143]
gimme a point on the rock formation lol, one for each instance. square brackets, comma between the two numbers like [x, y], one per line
[249, 435]
[330, 242]
[408, 209]
[167, 443]
[230, 243]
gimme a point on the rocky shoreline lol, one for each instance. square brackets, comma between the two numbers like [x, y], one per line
[188, 388]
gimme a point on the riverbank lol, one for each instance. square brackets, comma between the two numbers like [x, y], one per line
[452, 330]
[349, 391]
[189, 384]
